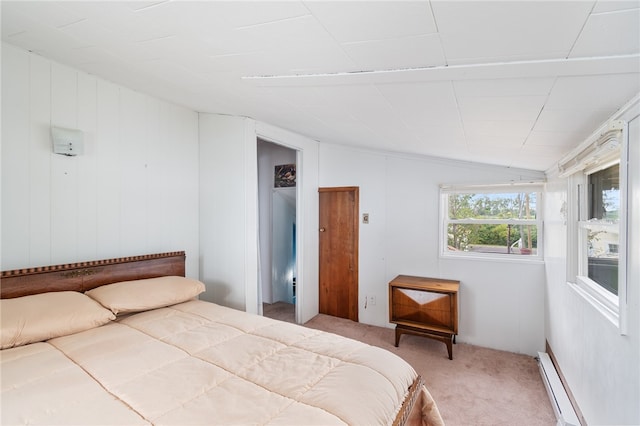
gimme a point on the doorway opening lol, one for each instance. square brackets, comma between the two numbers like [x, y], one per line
[277, 207]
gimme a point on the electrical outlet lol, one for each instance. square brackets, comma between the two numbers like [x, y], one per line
[365, 218]
[372, 300]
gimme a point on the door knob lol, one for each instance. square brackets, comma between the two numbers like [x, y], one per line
[322, 229]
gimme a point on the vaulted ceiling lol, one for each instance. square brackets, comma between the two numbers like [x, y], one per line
[514, 83]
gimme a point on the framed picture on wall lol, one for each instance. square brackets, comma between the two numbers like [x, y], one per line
[284, 176]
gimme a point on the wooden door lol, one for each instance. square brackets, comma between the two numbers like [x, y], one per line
[339, 209]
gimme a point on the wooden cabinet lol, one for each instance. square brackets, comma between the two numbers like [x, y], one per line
[425, 307]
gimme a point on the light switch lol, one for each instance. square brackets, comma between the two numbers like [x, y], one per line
[365, 217]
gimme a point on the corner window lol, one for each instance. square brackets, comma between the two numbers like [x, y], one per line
[600, 232]
[597, 224]
[488, 221]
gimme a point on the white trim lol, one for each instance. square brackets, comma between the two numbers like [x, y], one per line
[599, 225]
[444, 221]
[608, 300]
[432, 69]
[630, 107]
[612, 307]
[616, 64]
[575, 193]
[624, 220]
[307, 164]
[493, 257]
[600, 148]
[560, 402]
[523, 222]
[602, 165]
[591, 294]
[252, 239]
[500, 188]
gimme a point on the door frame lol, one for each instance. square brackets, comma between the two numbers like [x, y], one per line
[307, 173]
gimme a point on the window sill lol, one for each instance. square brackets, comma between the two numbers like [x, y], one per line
[605, 304]
[536, 260]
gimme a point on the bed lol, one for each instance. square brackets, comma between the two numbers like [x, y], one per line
[127, 342]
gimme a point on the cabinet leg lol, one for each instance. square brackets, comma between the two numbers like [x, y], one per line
[446, 338]
[454, 339]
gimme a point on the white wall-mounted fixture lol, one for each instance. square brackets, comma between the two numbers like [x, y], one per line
[68, 142]
[600, 148]
[560, 402]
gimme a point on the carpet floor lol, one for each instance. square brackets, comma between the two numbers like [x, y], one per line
[480, 386]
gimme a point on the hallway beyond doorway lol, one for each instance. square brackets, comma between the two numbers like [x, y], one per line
[280, 310]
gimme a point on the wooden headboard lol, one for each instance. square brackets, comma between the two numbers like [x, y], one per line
[83, 276]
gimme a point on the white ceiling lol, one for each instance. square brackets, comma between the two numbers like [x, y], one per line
[515, 83]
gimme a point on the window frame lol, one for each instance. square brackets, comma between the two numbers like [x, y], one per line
[446, 190]
[611, 306]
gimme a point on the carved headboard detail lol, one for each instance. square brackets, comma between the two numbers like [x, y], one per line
[83, 276]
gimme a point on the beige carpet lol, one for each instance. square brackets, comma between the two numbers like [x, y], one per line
[478, 387]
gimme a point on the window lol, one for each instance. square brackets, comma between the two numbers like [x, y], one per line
[596, 222]
[491, 221]
[600, 232]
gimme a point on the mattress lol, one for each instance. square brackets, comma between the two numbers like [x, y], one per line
[201, 363]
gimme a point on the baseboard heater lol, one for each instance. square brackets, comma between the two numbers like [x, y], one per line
[560, 402]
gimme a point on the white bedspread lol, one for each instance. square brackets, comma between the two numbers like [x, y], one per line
[201, 363]
[41, 386]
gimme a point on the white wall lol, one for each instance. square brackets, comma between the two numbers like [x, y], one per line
[601, 366]
[132, 192]
[229, 212]
[228, 209]
[501, 302]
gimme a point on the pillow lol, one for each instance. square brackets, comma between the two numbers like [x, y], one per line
[142, 295]
[44, 316]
